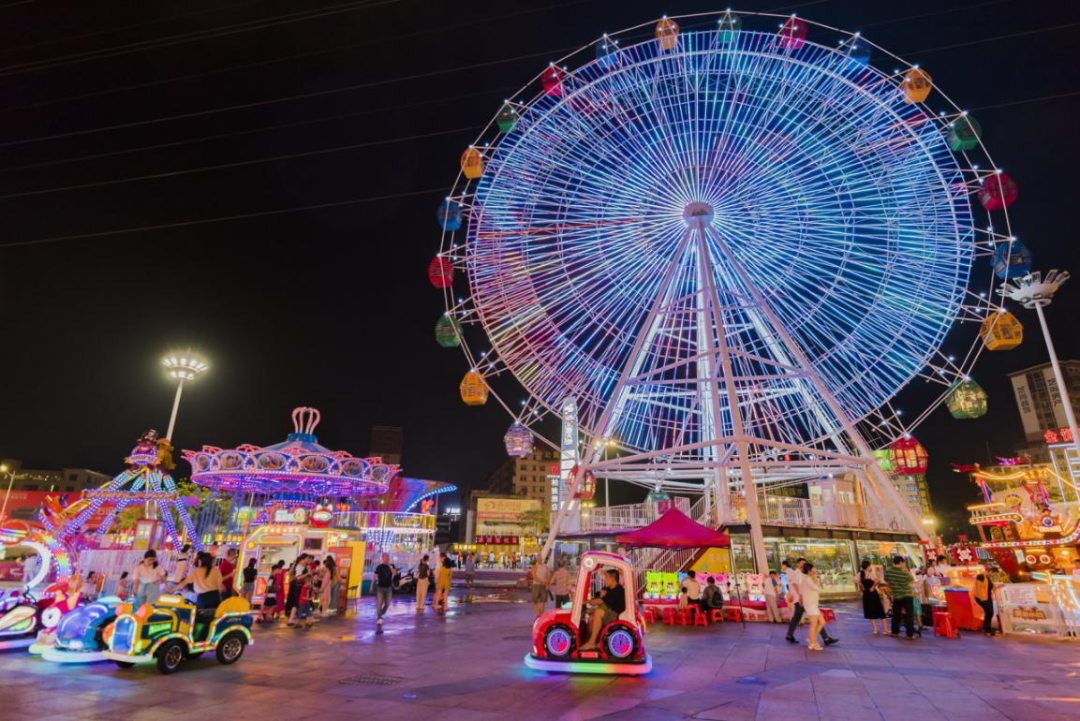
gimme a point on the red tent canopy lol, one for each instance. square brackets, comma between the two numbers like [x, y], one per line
[675, 530]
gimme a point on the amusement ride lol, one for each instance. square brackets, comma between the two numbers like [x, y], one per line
[727, 241]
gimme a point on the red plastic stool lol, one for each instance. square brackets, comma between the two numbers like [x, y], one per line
[943, 626]
[828, 614]
[684, 617]
[700, 618]
[669, 615]
[649, 615]
[733, 614]
[716, 615]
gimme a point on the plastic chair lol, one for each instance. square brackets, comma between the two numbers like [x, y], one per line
[716, 615]
[649, 615]
[733, 614]
[699, 618]
[684, 618]
[669, 615]
[943, 626]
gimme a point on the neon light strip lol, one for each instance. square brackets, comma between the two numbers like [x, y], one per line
[626, 669]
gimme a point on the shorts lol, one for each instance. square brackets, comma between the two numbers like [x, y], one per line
[303, 611]
[609, 616]
[539, 593]
[249, 588]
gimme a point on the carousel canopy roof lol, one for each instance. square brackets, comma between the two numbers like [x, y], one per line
[297, 465]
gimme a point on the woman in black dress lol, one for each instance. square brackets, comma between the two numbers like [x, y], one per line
[873, 608]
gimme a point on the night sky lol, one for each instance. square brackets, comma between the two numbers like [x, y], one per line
[332, 307]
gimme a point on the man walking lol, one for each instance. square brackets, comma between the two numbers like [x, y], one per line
[383, 580]
[794, 596]
[899, 579]
[541, 580]
[470, 569]
[772, 586]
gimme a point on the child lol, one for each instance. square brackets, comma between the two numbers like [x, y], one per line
[684, 598]
[303, 603]
[123, 586]
[269, 607]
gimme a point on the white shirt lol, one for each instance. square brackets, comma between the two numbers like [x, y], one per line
[794, 577]
[693, 588]
[810, 592]
[148, 574]
[181, 570]
[769, 587]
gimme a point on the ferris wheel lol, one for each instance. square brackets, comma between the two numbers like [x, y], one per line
[732, 239]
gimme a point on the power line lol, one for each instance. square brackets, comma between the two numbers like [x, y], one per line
[1036, 31]
[194, 36]
[297, 56]
[1040, 99]
[223, 218]
[285, 99]
[118, 29]
[236, 164]
[251, 131]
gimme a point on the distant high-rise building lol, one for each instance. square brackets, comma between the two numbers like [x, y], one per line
[528, 477]
[386, 442]
[1038, 400]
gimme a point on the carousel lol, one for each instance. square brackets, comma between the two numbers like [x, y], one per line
[277, 502]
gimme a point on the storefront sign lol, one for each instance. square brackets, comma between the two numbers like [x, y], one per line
[504, 509]
[497, 540]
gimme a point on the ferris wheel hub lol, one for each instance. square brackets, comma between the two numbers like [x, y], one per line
[698, 212]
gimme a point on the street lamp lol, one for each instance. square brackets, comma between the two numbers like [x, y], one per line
[182, 367]
[1035, 291]
[11, 481]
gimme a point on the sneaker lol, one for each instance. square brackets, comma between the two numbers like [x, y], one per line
[790, 639]
[831, 641]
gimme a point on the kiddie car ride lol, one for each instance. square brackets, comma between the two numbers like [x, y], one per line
[80, 634]
[23, 617]
[558, 635]
[173, 630]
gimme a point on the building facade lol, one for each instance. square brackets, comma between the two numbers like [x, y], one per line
[1037, 398]
[60, 480]
[386, 443]
[528, 477]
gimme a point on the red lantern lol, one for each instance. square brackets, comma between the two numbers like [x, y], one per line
[552, 80]
[997, 192]
[793, 34]
[441, 273]
[907, 456]
[583, 485]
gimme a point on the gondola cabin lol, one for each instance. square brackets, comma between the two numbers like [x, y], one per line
[730, 25]
[449, 215]
[998, 192]
[917, 85]
[507, 117]
[552, 80]
[441, 272]
[1012, 260]
[472, 163]
[966, 400]
[793, 33]
[518, 440]
[964, 134]
[907, 456]
[667, 34]
[1001, 331]
[448, 332]
[474, 390]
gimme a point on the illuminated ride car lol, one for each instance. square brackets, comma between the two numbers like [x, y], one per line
[559, 634]
[173, 630]
[80, 634]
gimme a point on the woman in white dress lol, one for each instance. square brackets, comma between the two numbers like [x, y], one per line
[810, 589]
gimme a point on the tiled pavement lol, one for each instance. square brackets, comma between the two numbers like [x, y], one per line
[467, 665]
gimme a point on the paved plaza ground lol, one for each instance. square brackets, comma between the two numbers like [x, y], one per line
[468, 665]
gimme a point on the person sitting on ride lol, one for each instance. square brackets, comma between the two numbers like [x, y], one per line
[607, 607]
[206, 580]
